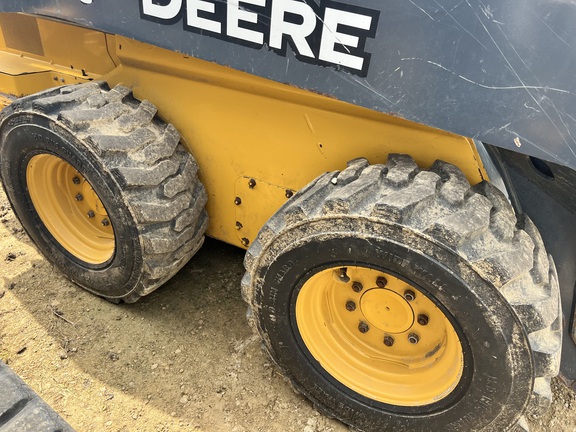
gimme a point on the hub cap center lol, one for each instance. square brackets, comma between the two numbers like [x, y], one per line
[387, 310]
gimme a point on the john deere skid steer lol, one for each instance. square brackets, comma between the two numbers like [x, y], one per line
[401, 173]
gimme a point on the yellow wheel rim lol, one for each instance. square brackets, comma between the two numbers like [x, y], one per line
[379, 336]
[70, 209]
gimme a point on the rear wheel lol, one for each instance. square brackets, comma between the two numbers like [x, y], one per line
[103, 187]
[401, 299]
[71, 210]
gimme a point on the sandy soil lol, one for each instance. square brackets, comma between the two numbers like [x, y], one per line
[182, 359]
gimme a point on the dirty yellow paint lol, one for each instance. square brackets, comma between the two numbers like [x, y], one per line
[236, 125]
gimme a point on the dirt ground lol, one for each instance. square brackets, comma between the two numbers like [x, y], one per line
[182, 359]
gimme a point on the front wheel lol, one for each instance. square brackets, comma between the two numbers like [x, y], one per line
[103, 187]
[401, 299]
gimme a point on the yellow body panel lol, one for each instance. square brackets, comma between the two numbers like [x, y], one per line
[236, 125]
[36, 54]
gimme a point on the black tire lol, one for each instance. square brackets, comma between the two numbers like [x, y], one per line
[133, 162]
[461, 246]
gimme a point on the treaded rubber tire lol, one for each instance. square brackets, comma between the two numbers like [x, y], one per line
[436, 214]
[133, 160]
[22, 410]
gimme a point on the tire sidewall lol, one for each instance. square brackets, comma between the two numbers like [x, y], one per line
[24, 135]
[498, 369]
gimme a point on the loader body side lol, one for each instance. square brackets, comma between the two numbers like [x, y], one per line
[238, 126]
[341, 146]
[496, 71]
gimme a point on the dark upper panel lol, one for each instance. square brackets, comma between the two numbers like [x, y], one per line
[497, 70]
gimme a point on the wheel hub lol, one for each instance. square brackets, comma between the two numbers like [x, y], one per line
[386, 310]
[379, 335]
[70, 208]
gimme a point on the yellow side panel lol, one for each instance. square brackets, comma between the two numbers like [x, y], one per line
[2, 41]
[251, 193]
[239, 126]
[36, 54]
[76, 48]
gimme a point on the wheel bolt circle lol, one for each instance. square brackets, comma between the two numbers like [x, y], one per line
[363, 327]
[350, 306]
[423, 319]
[76, 180]
[409, 295]
[381, 282]
[357, 287]
[413, 338]
[79, 197]
[388, 341]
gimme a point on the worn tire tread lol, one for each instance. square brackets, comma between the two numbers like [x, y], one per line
[476, 223]
[157, 176]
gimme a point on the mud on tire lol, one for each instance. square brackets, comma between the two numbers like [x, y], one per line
[103, 187]
[459, 247]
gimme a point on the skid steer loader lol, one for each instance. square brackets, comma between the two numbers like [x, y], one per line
[400, 172]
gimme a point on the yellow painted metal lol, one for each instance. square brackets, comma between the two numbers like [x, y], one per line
[82, 51]
[238, 125]
[62, 54]
[70, 209]
[31, 82]
[250, 194]
[387, 310]
[391, 344]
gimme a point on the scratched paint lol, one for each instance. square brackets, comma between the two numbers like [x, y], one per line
[497, 70]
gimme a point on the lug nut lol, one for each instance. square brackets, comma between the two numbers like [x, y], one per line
[79, 197]
[413, 338]
[239, 226]
[237, 201]
[76, 180]
[363, 327]
[350, 306]
[409, 295]
[381, 282]
[343, 276]
[105, 222]
[357, 287]
[245, 241]
[251, 183]
[289, 193]
[388, 341]
[90, 214]
[423, 319]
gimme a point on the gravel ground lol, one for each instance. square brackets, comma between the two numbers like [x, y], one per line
[181, 359]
